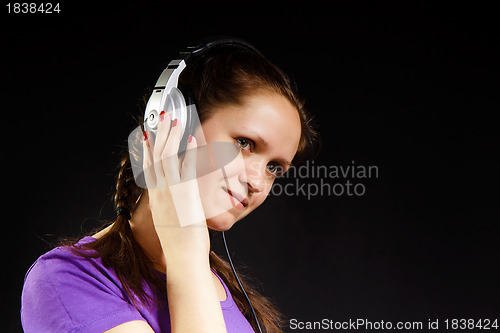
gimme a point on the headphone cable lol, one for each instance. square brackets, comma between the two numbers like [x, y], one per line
[239, 282]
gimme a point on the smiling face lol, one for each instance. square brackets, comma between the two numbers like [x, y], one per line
[267, 129]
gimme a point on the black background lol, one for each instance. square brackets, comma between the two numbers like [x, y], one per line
[409, 88]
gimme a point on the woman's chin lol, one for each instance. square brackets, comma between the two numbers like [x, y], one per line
[221, 222]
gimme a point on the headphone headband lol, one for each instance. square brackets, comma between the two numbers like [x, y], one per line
[210, 44]
[173, 71]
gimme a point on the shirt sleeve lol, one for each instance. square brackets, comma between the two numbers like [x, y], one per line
[67, 293]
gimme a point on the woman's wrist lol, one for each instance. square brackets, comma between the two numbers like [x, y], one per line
[183, 270]
[182, 259]
[191, 241]
[192, 297]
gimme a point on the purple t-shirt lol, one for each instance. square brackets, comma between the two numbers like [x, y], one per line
[64, 292]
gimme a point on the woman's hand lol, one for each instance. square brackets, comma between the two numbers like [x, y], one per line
[180, 224]
[173, 191]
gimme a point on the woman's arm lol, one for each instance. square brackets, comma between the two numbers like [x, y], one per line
[193, 302]
[180, 224]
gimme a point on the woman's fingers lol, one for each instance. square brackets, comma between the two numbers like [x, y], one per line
[148, 161]
[164, 172]
[162, 134]
[161, 163]
[169, 158]
[186, 194]
[188, 170]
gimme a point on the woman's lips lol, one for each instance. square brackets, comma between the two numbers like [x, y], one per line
[236, 199]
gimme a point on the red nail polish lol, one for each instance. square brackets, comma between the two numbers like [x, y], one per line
[162, 115]
[190, 139]
[145, 135]
[174, 123]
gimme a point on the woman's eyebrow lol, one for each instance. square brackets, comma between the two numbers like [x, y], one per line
[261, 140]
[284, 162]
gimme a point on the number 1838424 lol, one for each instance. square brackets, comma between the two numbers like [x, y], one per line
[33, 8]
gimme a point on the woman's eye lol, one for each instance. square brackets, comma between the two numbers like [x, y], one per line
[274, 169]
[244, 143]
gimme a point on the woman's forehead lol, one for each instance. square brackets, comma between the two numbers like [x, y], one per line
[270, 118]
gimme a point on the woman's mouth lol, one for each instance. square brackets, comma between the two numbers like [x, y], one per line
[237, 200]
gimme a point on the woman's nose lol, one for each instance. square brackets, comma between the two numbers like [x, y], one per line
[254, 175]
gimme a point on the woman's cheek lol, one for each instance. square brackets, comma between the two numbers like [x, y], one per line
[259, 199]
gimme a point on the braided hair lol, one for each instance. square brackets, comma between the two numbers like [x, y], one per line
[118, 248]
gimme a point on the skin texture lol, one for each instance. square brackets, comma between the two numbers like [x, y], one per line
[266, 129]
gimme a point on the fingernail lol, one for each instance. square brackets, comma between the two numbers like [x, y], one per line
[190, 139]
[174, 123]
[162, 115]
[145, 135]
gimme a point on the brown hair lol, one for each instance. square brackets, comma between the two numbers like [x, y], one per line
[217, 78]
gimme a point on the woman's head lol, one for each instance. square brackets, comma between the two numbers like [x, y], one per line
[241, 97]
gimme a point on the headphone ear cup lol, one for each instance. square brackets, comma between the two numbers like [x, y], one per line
[175, 104]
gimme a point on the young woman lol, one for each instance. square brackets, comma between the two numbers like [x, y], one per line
[147, 271]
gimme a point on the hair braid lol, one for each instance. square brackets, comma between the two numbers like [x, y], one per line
[119, 249]
[127, 192]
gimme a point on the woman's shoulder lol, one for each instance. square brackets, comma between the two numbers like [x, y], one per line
[63, 258]
[72, 267]
[66, 267]
[67, 288]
